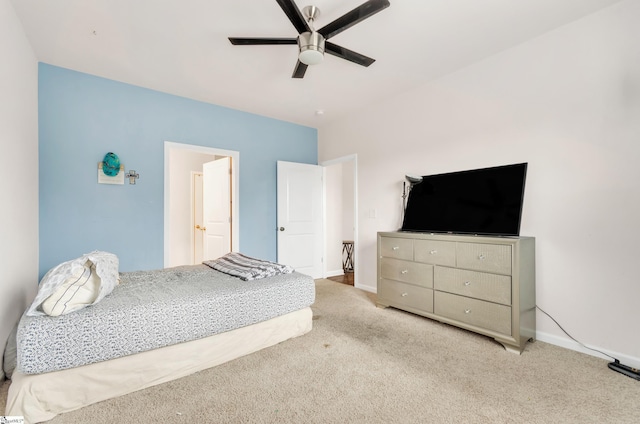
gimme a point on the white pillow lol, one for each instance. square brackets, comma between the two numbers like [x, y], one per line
[76, 292]
[60, 278]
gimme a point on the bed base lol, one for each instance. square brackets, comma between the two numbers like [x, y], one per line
[40, 397]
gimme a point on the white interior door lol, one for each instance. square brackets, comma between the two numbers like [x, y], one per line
[300, 217]
[198, 222]
[216, 208]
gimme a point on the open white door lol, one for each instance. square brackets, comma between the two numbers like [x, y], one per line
[198, 222]
[216, 208]
[300, 217]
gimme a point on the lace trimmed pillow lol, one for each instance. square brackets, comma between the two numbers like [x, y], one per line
[76, 284]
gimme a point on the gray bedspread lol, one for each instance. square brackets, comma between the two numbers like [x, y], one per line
[153, 309]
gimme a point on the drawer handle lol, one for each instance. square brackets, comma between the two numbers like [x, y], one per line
[405, 294]
[395, 248]
[482, 257]
[404, 271]
[433, 252]
[467, 283]
[467, 311]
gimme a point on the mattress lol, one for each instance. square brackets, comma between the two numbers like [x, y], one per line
[154, 309]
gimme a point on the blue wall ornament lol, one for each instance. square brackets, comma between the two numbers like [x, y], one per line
[111, 164]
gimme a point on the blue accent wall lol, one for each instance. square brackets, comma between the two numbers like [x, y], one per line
[82, 117]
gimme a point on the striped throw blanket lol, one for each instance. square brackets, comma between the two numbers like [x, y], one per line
[247, 268]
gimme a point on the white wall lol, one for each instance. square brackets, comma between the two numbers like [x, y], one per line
[18, 172]
[568, 103]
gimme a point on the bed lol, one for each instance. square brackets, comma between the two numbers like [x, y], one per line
[153, 327]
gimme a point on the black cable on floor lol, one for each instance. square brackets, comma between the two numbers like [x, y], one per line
[572, 338]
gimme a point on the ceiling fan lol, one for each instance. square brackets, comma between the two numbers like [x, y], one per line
[312, 43]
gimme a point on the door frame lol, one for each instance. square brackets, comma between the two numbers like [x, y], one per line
[235, 188]
[349, 158]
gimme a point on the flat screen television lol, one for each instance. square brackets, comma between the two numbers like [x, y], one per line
[484, 201]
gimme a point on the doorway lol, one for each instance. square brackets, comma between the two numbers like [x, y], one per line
[341, 219]
[181, 163]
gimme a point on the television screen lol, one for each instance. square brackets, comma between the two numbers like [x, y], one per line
[479, 201]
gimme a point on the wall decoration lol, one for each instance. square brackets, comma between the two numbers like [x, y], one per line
[110, 170]
[132, 175]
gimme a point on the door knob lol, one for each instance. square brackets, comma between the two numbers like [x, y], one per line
[281, 228]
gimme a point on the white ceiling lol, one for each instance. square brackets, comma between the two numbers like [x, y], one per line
[181, 47]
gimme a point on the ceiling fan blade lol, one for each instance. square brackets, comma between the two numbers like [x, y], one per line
[349, 19]
[299, 71]
[248, 41]
[347, 54]
[293, 13]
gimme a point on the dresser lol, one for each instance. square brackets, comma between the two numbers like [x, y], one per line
[479, 283]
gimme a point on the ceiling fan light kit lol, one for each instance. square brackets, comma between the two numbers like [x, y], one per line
[312, 44]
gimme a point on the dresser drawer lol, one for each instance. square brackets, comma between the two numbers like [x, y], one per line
[405, 295]
[479, 313]
[484, 257]
[435, 252]
[409, 272]
[480, 285]
[398, 248]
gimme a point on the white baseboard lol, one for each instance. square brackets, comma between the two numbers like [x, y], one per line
[367, 288]
[567, 343]
[334, 273]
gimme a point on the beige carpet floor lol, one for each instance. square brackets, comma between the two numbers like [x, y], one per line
[362, 364]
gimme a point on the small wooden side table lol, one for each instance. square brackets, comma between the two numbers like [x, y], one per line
[347, 256]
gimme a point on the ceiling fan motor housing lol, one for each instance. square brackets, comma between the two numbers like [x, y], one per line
[311, 45]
